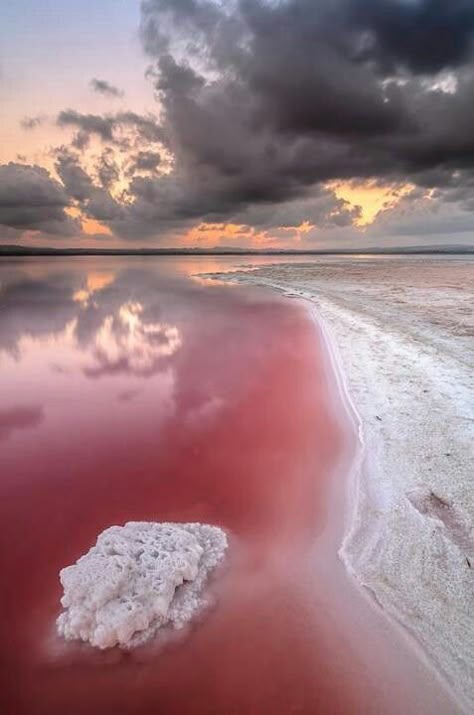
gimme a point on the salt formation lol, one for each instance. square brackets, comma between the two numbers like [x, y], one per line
[137, 579]
[404, 328]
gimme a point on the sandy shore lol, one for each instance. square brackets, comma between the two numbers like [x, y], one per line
[403, 329]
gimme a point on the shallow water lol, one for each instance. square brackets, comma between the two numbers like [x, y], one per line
[131, 391]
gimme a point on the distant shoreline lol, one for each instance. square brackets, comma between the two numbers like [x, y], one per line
[8, 251]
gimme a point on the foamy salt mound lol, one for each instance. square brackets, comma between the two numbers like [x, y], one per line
[137, 579]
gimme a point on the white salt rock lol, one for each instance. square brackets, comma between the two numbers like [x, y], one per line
[137, 579]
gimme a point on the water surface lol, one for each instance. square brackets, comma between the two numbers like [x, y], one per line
[133, 391]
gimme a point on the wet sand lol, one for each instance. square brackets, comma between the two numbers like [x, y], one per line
[242, 425]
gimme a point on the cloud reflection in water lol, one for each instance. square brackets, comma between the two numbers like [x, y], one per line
[125, 341]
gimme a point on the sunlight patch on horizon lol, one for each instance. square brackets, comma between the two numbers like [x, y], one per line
[208, 235]
[371, 197]
[90, 227]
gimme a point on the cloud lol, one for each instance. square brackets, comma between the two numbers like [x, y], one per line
[110, 127]
[101, 86]
[88, 124]
[29, 123]
[145, 161]
[95, 201]
[31, 200]
[425, 36]
[34, 308]
[303, 77]
[126, 343]
[263, 104]
[95, 315]
[424, 213]
[108, 171]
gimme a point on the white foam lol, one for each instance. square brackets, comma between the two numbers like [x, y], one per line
[137, 579]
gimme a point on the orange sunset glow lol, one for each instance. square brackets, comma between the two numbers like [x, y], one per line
[371, 197]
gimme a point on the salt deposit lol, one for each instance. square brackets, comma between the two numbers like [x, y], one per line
[137, 579]
[403, 328]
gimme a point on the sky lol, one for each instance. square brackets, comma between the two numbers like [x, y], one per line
[299, 124]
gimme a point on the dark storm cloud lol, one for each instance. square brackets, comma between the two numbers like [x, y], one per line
[423, 35]
[147, 126]
[138, 219]
[327, 70]
[102, 127]
[101, 86]
[108, 127]
[264, 101]
[145, 161]
[319, 207]
[95, 201]
[107, 169]
[31, 200]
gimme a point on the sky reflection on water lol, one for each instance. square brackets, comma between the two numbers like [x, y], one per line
[132, 392]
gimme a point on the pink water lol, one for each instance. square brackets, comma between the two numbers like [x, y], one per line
[131, 391]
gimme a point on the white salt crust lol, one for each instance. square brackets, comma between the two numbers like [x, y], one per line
[137, 579]
[404, 329]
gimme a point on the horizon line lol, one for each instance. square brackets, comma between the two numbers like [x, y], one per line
[22, 250]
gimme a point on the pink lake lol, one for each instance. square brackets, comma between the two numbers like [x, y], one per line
[132, 391]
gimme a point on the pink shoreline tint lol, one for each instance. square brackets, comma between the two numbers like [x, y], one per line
[239, 426]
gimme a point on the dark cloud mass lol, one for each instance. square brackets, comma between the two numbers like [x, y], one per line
[31, 200]
[262, 102]
[95, 201]
[343, 83]
[109, 128]
[145, 161]
[422, 35]
[101, 86]
[270, 99]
